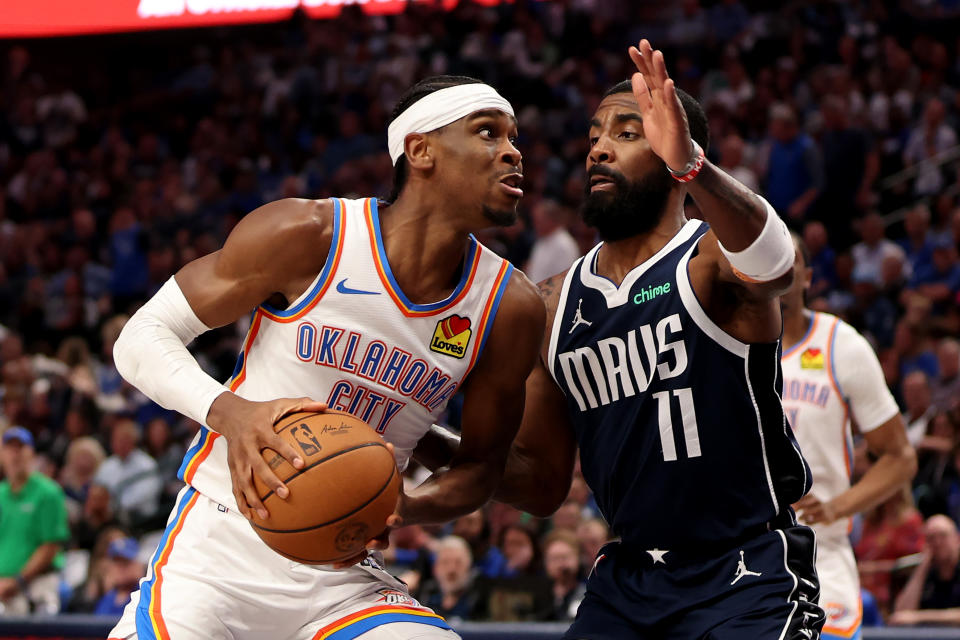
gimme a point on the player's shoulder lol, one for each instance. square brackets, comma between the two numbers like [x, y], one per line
[521, 301]
[549, 291]
[295, 216]
[293, 227]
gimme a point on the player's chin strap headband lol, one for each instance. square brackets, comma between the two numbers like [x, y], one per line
[439, 109]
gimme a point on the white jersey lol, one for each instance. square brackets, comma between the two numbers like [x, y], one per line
[827, 376]
[355, 341]
[831, 373]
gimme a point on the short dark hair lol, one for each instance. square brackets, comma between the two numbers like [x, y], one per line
[696, 117]
[420, 90]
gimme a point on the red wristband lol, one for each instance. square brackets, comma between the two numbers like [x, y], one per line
[692, 168]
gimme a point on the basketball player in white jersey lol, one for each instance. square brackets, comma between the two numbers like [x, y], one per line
[830, 377]
[381, 311]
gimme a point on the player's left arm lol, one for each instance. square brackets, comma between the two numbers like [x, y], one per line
[492, 409]
[876, 413]
[926, 616]
[746, 261]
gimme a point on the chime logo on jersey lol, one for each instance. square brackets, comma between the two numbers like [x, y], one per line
[452, 336]
[811, 359]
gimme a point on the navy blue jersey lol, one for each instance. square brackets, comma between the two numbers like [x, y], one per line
[682, 436]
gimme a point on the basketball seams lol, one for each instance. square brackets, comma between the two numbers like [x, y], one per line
[300, 472]
[393, 473]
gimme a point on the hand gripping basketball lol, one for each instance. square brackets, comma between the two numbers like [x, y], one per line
[248, 429]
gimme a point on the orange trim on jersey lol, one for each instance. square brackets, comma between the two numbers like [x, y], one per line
[378, 261]
[484, 324]
[156, 619]
[847, 632]
[342, 623]
[828, 360]
[199, 457]
[797, 347]
[328, 273]
[238, 379]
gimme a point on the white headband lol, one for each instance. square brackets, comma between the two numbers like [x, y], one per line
[439, 109]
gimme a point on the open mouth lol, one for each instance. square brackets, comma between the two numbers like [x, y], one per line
[511, 184]
[601, 183]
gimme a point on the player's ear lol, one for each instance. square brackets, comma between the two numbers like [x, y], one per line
[419, 151]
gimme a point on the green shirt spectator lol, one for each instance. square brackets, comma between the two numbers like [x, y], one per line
[33, 526]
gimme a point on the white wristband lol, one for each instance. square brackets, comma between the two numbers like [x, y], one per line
[769, 256]
[151, 354]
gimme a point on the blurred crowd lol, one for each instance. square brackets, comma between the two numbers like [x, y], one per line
[142, 153]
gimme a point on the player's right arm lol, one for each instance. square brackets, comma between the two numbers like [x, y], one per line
[276, 250]
[539, 466]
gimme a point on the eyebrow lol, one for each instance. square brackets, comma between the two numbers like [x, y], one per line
[620, 118]
[491, 113]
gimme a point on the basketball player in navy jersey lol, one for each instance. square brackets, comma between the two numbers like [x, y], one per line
[381, 311]
[661, 362]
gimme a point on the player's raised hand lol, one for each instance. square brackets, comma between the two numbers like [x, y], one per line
[664, 120]
[248, 429]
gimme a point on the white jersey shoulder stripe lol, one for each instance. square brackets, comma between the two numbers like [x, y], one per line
[321, 283]
[411, 309]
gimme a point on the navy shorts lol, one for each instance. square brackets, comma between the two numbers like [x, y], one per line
[763, 589]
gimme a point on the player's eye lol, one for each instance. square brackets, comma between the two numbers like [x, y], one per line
[593, 140]
[486, 131]
[628, 135]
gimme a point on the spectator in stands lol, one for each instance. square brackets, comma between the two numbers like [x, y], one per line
[929, 139]
[33, 529]
[122, 574]
[449, 593]
[520, 548]
[849, 162]
[84, 457]
[870, 252]
[168, 453]
[567, 517]
[945, 388]
[822, 259]
[794, 176]
[561, 554]
[932, 595]
[920, 410]
[130, 475]
[937, 478]
[918, 243]
[592, 535]
[554, 249]
[891, 530]
[98, 515]
[940, 281]
[732, 161]
[474, 529]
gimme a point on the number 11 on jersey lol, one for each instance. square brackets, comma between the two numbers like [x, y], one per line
[688, 418]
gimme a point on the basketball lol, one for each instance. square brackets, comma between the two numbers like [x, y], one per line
[341, 498]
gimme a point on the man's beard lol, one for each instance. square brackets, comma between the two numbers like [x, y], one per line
[631, 209]
[500, 217]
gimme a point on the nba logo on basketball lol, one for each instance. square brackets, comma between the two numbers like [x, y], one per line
[452, 336]
[811, 359]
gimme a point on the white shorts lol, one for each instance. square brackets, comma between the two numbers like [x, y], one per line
[839, 588]
[211, 577]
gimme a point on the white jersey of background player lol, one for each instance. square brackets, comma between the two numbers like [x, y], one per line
[384, 312]
[830, 376]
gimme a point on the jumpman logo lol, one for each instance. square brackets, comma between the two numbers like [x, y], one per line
[578, 319]
[743, 571]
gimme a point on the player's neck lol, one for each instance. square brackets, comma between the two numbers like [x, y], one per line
[618, 257]
[795, 325]
[424, 246]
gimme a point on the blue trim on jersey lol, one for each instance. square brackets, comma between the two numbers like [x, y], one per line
[468, 261]
[493, 309]
[142, 620]
[813, 321]
[192, 451]
[360, 627]
[833, 368]
[593, 270]
[324, 275]
[858, 635]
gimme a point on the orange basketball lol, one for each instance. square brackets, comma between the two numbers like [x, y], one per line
[341, 498]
